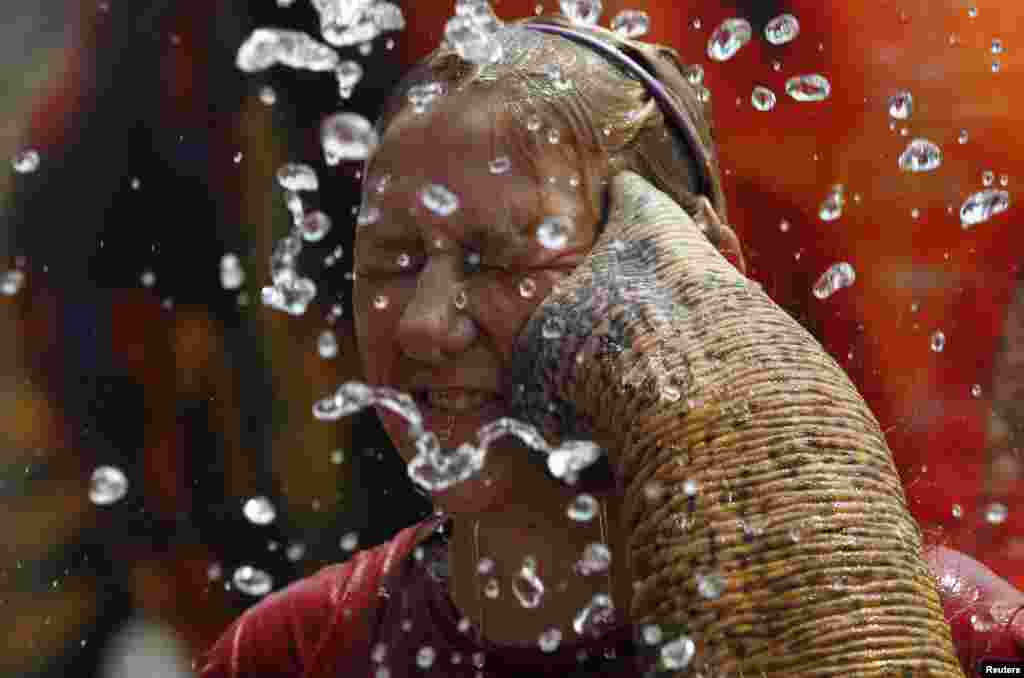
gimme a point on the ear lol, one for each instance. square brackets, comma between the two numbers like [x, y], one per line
[721, 235]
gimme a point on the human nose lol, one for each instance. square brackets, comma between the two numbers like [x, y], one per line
[431, 329]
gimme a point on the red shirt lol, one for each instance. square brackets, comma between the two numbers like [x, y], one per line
[381, 607]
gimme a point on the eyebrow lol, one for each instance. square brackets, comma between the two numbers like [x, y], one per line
[514, 223]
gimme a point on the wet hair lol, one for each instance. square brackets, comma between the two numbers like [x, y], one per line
[606, 118]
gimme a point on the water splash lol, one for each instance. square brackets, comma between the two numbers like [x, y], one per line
[266, 47]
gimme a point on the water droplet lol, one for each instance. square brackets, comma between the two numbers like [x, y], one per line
[972, 12]
[380, 302]
[231, 274]
[595, 616]
[996, 513]
[920, 155]
[553, 327]
[694, 74]
[349, 541]
[425, 657]
[1004, 180]
[369, 214]
[596, 558]
[267, 95]
[726, 40]
[631, 24]
[485, 566]
[315, 226]
[550, 640]
[107, 485]
[461, 300]
[527, 288]
[958, 511]
[711, 585]
[422, 95]
[554, 136]
[763, 98]
[811, 87]
[379, 654]
[832, 207]
[500, 165]
[492, 589]
[248, 579]
[348, 73]
[533, 123]
[11, 282]
[782, 29]
[583, 12]
[938, 341]
[901, 105]
[677, 654]
[988, 177]
[982, 206]
[259, 511]
[976, 390]
[583, 508]
[327, 345]
[554, 232]
[347, 136]
[214, 572]
[148, 278]
[527, 586]
[266, 47]
[26, 161]
[474, 41]
[837, 276]
[439, 200]
[997, 46]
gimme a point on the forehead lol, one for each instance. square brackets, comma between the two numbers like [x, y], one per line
[453, 144]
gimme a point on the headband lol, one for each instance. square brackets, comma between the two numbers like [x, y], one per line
[666, 70]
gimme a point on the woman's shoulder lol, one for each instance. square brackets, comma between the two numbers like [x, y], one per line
[286, 633]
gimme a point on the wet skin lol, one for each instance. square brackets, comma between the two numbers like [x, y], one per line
[420, 339]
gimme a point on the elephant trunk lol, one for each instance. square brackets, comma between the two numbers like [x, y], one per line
[765, 517]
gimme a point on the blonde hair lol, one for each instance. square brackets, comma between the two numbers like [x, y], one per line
[612, 123]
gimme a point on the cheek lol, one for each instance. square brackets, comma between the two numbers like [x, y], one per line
[375, 328]
[506, 304]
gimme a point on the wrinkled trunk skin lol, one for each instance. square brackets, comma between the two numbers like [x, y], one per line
[798, 503]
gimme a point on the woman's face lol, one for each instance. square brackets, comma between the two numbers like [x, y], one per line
[439, 300]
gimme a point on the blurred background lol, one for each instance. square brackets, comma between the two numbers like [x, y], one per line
[121, 346]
